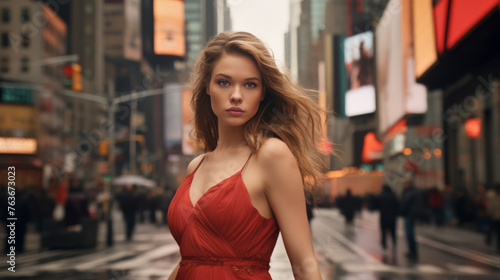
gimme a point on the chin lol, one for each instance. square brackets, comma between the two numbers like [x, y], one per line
[235, 122]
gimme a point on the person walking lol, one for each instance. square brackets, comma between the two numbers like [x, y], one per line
[129, 205]
[409, 210]
[76, 206]
[494, 214]
[388, 204]
[348, 205]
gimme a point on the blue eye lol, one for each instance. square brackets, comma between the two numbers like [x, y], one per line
[251, 85]
[223, 83]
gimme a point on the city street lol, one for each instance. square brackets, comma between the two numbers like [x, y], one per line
[448, 253]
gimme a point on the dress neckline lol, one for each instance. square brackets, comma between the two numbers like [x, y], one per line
[214, 187]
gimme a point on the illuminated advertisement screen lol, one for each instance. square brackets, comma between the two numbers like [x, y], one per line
[169, 28]
[424, 36]
[398, 93]
[358, 62]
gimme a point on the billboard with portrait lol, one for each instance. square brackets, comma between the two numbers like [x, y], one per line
[358, 62]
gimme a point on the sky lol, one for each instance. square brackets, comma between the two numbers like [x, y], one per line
[266, 19]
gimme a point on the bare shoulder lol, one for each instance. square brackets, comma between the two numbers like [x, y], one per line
[192, 165]
[274, 151]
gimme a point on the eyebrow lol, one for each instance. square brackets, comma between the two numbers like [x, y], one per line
[229, 77]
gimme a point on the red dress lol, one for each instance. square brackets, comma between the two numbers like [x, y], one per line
[222, 236]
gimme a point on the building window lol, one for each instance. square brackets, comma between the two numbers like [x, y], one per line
[25, 15]
[25, 42]
[89, 9]
[88, 29]
[4, 65]
[5, 15]
[5, 39]
[88, 73]
[25, 64]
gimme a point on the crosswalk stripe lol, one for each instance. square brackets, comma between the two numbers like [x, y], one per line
[463, 252]
[367, 257]
[146, 257]
[99, 261]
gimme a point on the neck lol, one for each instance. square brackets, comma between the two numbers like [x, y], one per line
[230, 138]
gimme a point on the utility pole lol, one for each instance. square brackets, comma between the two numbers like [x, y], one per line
[133, 113]
[111, 161]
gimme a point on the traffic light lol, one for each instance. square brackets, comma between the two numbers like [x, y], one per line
[76, 77]
[68, 73]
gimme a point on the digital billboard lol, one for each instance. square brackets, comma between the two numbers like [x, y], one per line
[358, 62]
[424, 36]
[398, 93]
[169, 36]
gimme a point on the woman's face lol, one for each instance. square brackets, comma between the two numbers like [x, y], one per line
[235, 89]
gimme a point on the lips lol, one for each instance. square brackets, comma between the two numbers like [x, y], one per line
[235, 109]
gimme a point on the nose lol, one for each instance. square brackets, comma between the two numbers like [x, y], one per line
[236, 96]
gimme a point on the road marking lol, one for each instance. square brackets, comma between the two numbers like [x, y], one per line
[145, 258]
[466, 269]
[367, 257]
[474, 255]
[99, 261]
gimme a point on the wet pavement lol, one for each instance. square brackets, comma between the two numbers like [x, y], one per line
[445, 254]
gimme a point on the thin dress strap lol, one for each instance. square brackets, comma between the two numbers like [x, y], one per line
[246, 162]
[194, 171]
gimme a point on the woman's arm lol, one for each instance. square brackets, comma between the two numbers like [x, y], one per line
[174, 272]
[285, 193]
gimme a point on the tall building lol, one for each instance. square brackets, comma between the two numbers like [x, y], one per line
[291, 44]
[31, 105]
[204, 19]
[457, 56]
[83, 118]
[345, 18]
[304, 44]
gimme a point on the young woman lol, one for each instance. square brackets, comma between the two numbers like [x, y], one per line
[261, 135]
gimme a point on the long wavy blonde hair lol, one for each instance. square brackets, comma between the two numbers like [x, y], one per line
[286, 112]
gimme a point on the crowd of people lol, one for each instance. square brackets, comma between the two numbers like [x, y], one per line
[71, 203]
[447, 207]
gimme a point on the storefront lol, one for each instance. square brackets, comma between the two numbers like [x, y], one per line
[466, 67]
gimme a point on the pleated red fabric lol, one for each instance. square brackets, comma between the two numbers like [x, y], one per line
[222, 236]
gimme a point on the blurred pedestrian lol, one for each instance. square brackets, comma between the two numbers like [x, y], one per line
[348, 205]
[152, 205]
[448, 205]
[388, 204]
[76, 206]
[44, 206]
[409, 210]
[142, 203]
[127, 199]
[309, 208]
[494, 213]
[435, 200]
